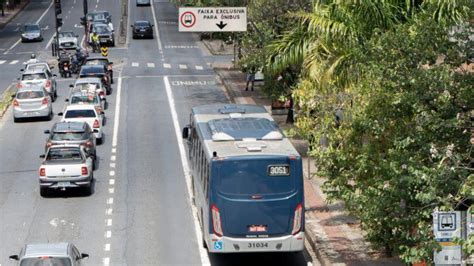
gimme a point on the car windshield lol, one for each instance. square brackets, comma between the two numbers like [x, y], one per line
[66, 34]
[29, 95]
[64, 154]
[101, 29]
[46, 261]
[99, 16]
[32, 28]
[88, 98]
[79, 113]
[33, 76]
[59, 136]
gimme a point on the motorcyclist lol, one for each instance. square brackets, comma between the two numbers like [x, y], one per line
[75, 64]
[95, 41]
[80, 56]
[32, 60]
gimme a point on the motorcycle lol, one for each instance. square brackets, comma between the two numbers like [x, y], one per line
[64, 65]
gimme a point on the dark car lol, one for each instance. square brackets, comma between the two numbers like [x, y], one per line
[142, 29]
[31, 32]
[143, 3]
[72, 133]
[106, 34]
[97, 60]
[98, 71]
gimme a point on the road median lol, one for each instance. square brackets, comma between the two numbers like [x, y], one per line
[6, 99]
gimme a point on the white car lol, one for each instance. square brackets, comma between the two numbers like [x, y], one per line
[87, 97]
[68, 40]
[37, 65]
[86, 113]
[41, 77]
[87, 83]
[66, 166]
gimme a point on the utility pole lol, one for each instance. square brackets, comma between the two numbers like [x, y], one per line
[59, 23]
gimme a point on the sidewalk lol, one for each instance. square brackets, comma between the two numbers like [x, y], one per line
[335, 237]
[11, 13]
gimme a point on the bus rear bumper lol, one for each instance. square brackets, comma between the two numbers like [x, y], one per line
[291, 243]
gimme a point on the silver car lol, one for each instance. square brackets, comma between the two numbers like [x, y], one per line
[32, 101]
[88, 97]
[87, 83]
[49, 254]
[39, 76]
[68, 40]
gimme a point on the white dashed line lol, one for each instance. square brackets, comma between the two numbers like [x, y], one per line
[114, 150]
[112, 165]
[13, 62]
[183, 67]
[112, 158]
[109, 211]
[199, 68]
[106, 261]
[110, 201]
[117, 117]
[111, 190]
[109, 222]
[107, 247]
[166, 65]
[108, 234]
[112, 182]
[2, 62]
[135, 64]
[112, 173]
[152, 65]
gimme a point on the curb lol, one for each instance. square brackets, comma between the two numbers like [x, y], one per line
[211, 50]
[229, 92]
[8, 101]
[3, 24]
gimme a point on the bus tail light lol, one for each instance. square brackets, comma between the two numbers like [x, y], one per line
[84, 170]
[216, 221]
[297, 219]
[42, 171]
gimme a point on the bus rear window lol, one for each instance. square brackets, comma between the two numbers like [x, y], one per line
[253, 178]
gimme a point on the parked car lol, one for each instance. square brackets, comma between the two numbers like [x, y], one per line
[32, 101]
[90, 83]
[143, 3]
[79, 133]
[97, 71]
[142, 29]
[31, 32]
[68, 40]
[39, 76]
[66, 166]
[99, 60]
[85, 113]
[106, 34]
[87, 97]
[49, 254]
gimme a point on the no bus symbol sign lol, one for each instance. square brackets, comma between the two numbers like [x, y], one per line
[188, 19]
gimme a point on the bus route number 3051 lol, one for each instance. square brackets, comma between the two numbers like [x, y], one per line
[257, 245]
[279, 170]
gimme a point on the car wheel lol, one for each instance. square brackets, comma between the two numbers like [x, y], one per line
[88, 189]
[16, 120]
[43, 191]
[50, 116]
[112, 44]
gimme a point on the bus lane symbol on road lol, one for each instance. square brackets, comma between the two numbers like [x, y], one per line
[188, 19]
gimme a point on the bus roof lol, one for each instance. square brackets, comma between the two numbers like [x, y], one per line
[239, 130]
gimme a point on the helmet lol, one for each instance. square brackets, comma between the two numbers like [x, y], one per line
[33, 56]
[78, 49]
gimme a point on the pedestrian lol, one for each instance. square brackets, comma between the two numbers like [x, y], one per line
[250, 78]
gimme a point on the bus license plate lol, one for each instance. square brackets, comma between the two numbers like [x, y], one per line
[257, 245]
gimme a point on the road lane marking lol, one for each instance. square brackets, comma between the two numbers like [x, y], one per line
[114, 150]
[199, 68]
[111, 190]
[2, 62]
[109, 211]
[112, 165]
[117, 116]
[184, 161]
[37, 22]
[166, 65]
[135, 64]
[106, 261]
[13, 62]
[151, 65]
[108, 234]
[107, 247]
[183, 66]
[158, 39]
[110, 201]
[112, 158]
[111, 181]
[112, 173]
[109, 222]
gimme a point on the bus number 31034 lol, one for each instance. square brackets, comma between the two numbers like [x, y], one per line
[257, 245]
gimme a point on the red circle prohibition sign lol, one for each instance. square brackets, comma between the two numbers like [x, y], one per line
[188, 19]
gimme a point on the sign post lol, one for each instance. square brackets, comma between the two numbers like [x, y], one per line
[446, 226]
[212, 19]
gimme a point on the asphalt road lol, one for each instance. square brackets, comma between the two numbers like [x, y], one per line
[140, 212]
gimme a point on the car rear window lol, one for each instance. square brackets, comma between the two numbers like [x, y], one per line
[46, 261]
[29, 95]
[72, 136]
[91, 99]
[33, 76]
[96, 62]
[66, 35]
[64, 154]
[32, 28]
[79, 113]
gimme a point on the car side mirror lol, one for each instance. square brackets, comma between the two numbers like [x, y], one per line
[71, 86]
[42, 156]
[47, 131]
[96, 131]
[84, 256]
[131, 26]
[60, 114]
[77, 36]
[152, 25]
[185, 134]
[14, 257]
[21, 70]
[54, 75]
[66, 100]
[13, 96]
[102, 99]
[111, 63]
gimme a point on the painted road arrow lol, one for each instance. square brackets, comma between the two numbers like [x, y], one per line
[221, 25]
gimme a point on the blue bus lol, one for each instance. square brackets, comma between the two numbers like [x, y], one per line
[247, 180]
